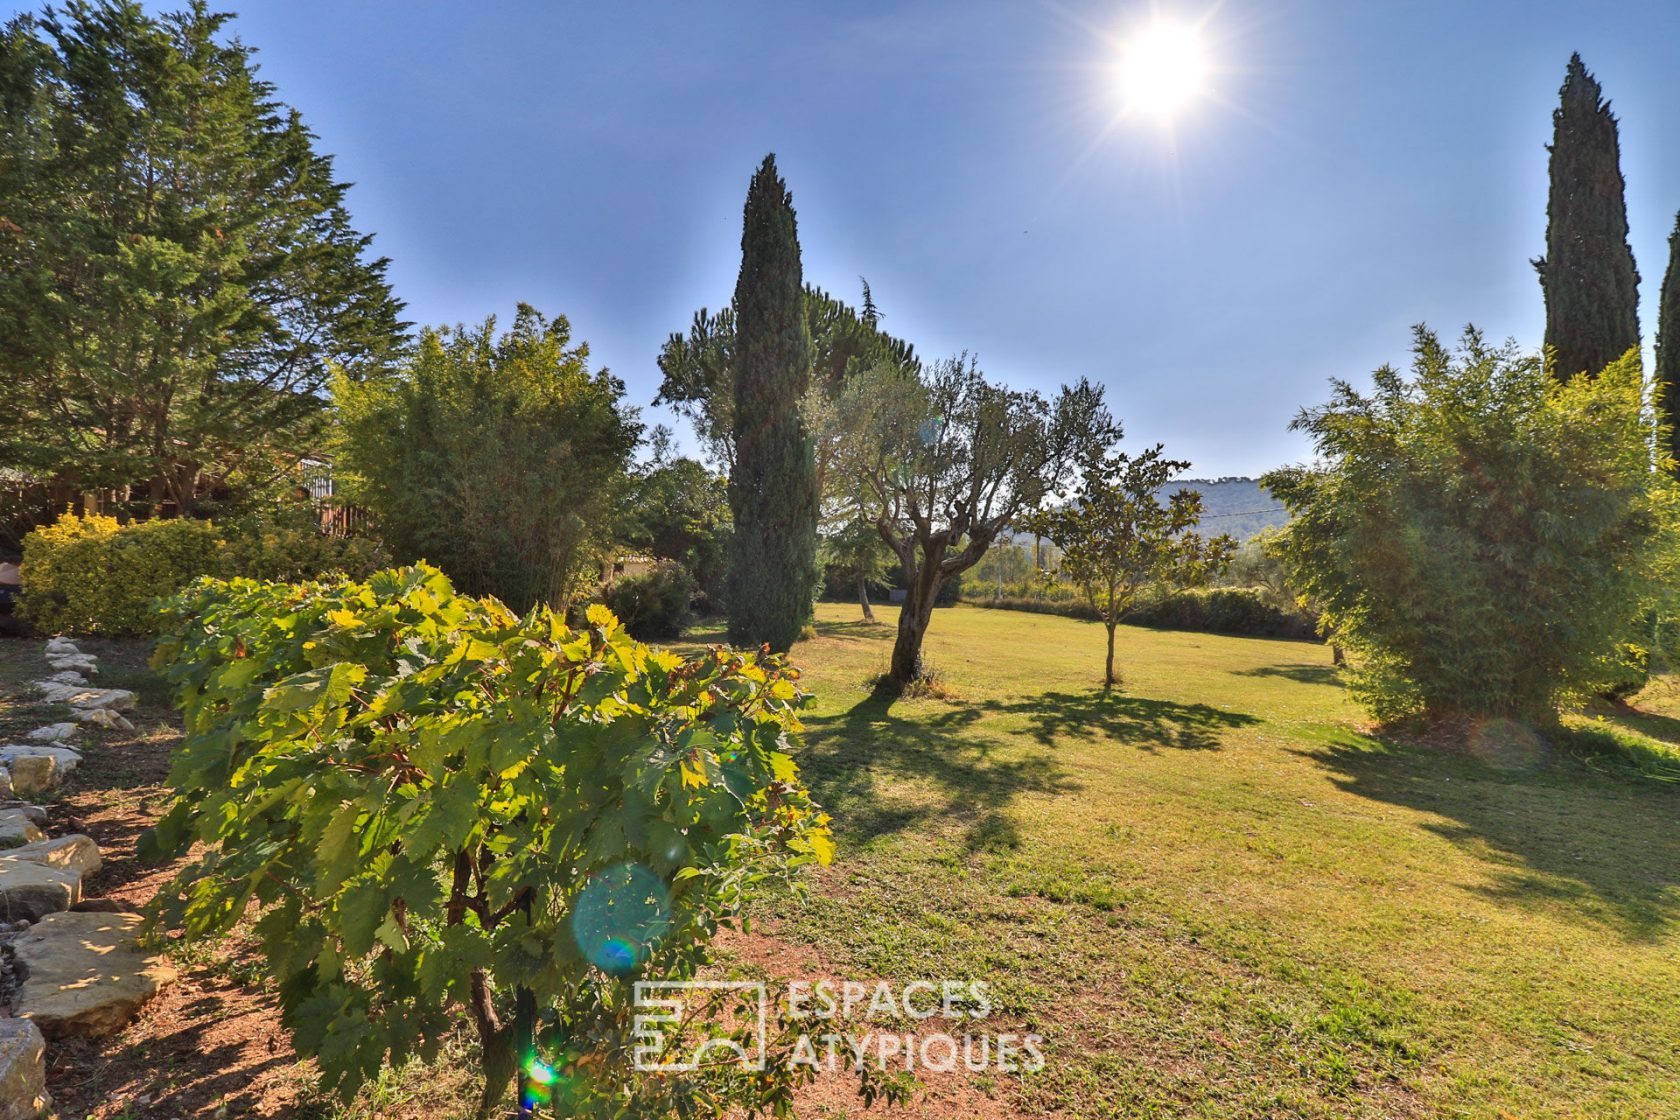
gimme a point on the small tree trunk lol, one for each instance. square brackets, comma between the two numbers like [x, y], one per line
[1337, 657]
[1109, 680]
[863, 598]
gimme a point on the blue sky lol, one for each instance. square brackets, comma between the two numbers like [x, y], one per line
[1362, 167]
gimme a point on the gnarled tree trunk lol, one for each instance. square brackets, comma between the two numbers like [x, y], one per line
[913, 621]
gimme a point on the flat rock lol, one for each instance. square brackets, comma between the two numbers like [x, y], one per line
[75, 852]
[32, 812]
[23, 1071]
[102, 717]
[54, 733]
[17, 829]
[68, 676]
[32, 890]
[58, 647]
[111, 699]
[33, 773]
[68, 758]
[84, 973]
[74, 664]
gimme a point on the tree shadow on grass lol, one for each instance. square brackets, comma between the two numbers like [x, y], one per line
[1149, 725]
[1664, 729]
[851, 757]
[1552, 834]
[1300, 673]
[854, 628]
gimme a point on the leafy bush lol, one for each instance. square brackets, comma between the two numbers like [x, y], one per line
[285, 542]
[437, 804]
[501, 458]
[652, 604]
[1483, 536]
[1223, 610]
[90, 575]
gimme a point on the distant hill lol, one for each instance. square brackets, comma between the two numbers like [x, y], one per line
[1234, 505]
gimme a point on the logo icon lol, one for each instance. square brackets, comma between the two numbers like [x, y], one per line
[662, 1007]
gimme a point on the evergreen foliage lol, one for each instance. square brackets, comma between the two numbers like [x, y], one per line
[1587, 275]
[772, 483]
[177, 267]
[679, 510]
[699, 368]
[1667, 373]
[500, 459]
[1481, 537]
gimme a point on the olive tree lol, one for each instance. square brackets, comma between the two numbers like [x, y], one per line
[948, 460]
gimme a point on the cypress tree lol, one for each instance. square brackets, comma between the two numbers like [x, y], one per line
[772, 488]
[1587, 275]
[1668, 341]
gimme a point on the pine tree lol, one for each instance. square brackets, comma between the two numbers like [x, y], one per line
[1668, 342]
[772, 487]
[1587, 275]
[178, 272]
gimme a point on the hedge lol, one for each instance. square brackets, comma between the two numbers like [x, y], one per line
[94, 575]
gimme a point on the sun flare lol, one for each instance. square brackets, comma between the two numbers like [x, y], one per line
[1163, 69]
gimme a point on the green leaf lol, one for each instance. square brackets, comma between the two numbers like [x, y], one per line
[315, 689]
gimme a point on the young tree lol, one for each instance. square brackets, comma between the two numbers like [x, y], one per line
[1481, 536]
[1668, 343]
[1117, 536]
[500, 459]
[772, 483]
[948, 461]
[1587, 275]
[177, 268]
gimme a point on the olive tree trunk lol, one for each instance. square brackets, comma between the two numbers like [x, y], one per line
[913, 623]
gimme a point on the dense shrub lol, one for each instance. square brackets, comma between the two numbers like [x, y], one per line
[499, 457]
[441, 808]
[1481, 536]
[93, 575]
[1223, 610]
[285, 543]
[652, 604]
[90, 575]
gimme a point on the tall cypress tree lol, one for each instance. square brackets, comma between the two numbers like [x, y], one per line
[1668, 341]
[1588, 276]
[773, 486]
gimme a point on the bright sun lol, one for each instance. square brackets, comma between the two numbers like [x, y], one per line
[1163, 68]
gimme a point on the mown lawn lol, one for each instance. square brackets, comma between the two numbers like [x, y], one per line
[1215, 896]
[1210, 891]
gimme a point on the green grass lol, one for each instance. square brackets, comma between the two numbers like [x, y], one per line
[1216, 896]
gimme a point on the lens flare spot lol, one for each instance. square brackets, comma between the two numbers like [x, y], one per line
[620, 917]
